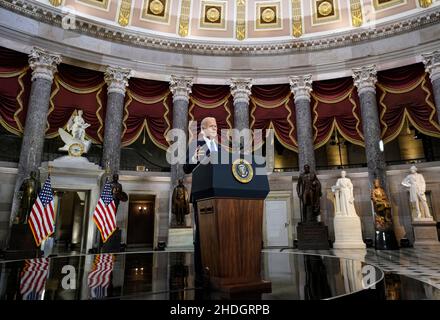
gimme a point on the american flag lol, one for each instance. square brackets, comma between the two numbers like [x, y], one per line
[41, 219]
[99, 278]
[105, 211]
[33, 278]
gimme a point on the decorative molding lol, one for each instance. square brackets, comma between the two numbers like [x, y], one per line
[385, 4]
[268, 15]
[241, 90]
[184, 18]
[356, 13]
[104, 4]
[301, 87]
[240, 26]
[93, 28]
[180, 87]
[124, 13]
[297, 28]
[213, 15]
[117, 79]
[43, 63]
[156, 11]
[325, 11]
[432, 64]
[365, 79]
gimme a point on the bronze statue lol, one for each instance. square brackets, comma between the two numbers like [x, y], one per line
[180, 203]
[27, 194]
[382, 207]
[118, 194]
[309, 193]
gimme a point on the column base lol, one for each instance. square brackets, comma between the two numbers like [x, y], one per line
[425, 233]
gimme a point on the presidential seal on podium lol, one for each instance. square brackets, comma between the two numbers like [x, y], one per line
[242, 171]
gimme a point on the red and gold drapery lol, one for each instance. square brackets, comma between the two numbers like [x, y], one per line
[211, 101]
[405, 94]
[272, 107]
[147, 110]
[15, 84]
[73, 89]
[335, 106]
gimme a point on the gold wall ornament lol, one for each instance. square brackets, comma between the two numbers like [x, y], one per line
[213, 14]
[297, 19]
[425, 3]
[325, 11]
[240, 32]
[356, 13]
[103, 4]
[184, 18]
[55, 3]
[156, 7]
[156, 10]
[268, 15]
[325, 8]
[384, 4]
[124, 13]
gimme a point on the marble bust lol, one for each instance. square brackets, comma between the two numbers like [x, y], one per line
[417, 188]
[344, 199]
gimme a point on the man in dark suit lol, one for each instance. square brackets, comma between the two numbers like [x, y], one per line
[207, 145]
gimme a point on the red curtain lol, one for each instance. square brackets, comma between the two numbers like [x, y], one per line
[15, 84]
[335, 106]
[406, 94]
[148, 110]
[272, 107]
[212, 101]
[76, 88]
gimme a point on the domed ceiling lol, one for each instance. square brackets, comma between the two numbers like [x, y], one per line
[241, 21]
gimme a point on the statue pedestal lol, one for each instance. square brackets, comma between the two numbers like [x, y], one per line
[312, 236]
[348, 233]
[180, 238]
[425, 233]
[113, 243]
[74, 162]
[22, 244]
[385, 240]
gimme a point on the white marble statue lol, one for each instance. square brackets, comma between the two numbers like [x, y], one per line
[343, 190]
[417, 188]
[78, 126]
[75, 143]
[347, 224]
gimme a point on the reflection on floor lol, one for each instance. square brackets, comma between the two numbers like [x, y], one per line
[422, 263]
[170, 276]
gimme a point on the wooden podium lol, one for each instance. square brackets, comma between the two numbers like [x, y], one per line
[230, 215]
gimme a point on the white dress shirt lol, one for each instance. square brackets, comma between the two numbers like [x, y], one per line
[212, 145]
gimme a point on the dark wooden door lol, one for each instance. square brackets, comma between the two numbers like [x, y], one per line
[141, 223]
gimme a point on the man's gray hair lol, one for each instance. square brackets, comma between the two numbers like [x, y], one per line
[205, 121]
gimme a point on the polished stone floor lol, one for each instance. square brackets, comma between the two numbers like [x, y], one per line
[406, 274]
[419, 263]
[170, 276]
